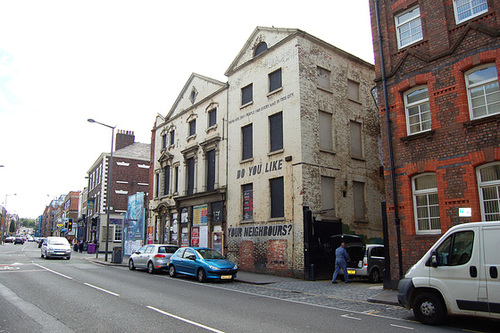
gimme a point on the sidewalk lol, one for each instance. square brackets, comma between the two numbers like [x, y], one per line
[385, 296]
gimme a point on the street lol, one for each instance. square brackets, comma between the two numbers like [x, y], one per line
[78, 295]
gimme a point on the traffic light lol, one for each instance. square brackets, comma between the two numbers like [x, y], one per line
[70, 224]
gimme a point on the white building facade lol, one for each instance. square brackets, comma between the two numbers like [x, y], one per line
[303, 141]
[189, 159]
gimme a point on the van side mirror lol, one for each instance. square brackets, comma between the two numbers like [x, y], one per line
[434, 259]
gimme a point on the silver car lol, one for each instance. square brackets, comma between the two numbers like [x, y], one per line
[55, 247]
[153, 257]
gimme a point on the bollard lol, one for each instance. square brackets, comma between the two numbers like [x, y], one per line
[312, 275]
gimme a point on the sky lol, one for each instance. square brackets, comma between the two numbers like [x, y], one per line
[121, 63]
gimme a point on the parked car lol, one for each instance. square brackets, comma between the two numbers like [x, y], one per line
[372, 265]
[202, 263]
[55, 247]
[10, 239]
[355, 247]
[457, 276]
[18, 240]
[153, 257]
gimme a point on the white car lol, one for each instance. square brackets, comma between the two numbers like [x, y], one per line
[53, 247]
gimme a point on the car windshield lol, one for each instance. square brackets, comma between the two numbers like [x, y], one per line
[210, 254]
[56, 242]
[167, 249]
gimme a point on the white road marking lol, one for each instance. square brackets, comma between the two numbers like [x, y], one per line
[49, 270]
[101, 289]
[405, 327]
[349, 317]
[185, 320]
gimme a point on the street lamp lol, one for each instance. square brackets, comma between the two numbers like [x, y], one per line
[109, 181]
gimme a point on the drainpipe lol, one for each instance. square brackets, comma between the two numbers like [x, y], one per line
[389, 140]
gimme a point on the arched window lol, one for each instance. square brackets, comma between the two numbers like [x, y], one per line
[488, 177]
[483, 91]
[418, 111]
[260, 48]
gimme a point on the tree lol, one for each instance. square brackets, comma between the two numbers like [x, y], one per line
[12, 227]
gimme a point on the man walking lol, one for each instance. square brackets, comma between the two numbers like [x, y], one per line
[341, 259]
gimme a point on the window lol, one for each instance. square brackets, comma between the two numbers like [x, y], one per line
[456, 249]
[328, 194]
[323, 78]
[190, 175]
[166, 179]
[172, 138]
[247, 199]
[260, 48]
[426, 204]
[247, 139]
[483, 92]
[192, 127]
[418, 111]
[164, 141]
[176, 175]
[467, 9]
[276, 131]
[193, 94]
[277, 197]
[325, 131]
[117, 233]
[212, 117]
[409, 27]
[210, 160]
[247, 94]
[275, 80]
[358, 190]
[489, 191]
[157, 190]
[353, 90]
[356, 142]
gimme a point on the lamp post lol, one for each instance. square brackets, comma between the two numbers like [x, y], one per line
[110, 172]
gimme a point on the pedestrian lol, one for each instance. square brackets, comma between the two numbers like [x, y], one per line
[80, 245]
[341, 259]
[75, 245]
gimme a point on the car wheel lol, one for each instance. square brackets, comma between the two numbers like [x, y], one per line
[374, 275]
[151, 268]
[429, 309]
[171, 271]
[202, 276]
[41, 255]
[68, 257]
[131, 265]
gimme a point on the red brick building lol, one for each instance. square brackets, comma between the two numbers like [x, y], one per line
[438, 62]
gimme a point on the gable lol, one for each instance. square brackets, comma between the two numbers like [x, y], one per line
[196, 89]
[269, 36]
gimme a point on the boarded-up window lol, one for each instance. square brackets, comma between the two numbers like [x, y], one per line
[325, 131]
[247, 94]
[190, 175]
[247, 199]
[328, 194]
[356, 141]
[275, 80]
[210, 155]
[277, 197]
[276, 131]
[323, 78]
[247, 139]
[358, 190]
[166, 179]
[353, 90]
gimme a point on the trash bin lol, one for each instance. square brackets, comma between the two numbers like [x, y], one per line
[91, 248]
[117, 255]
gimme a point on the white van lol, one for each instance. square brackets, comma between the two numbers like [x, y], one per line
[457, 276]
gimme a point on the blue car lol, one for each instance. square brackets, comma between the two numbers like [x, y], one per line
[202, 263]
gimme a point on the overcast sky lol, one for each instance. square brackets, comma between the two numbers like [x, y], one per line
[122, 63]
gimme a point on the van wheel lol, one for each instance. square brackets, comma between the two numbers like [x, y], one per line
[429, 309]
[374, 275]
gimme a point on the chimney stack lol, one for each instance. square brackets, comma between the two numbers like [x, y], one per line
[124, 139]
